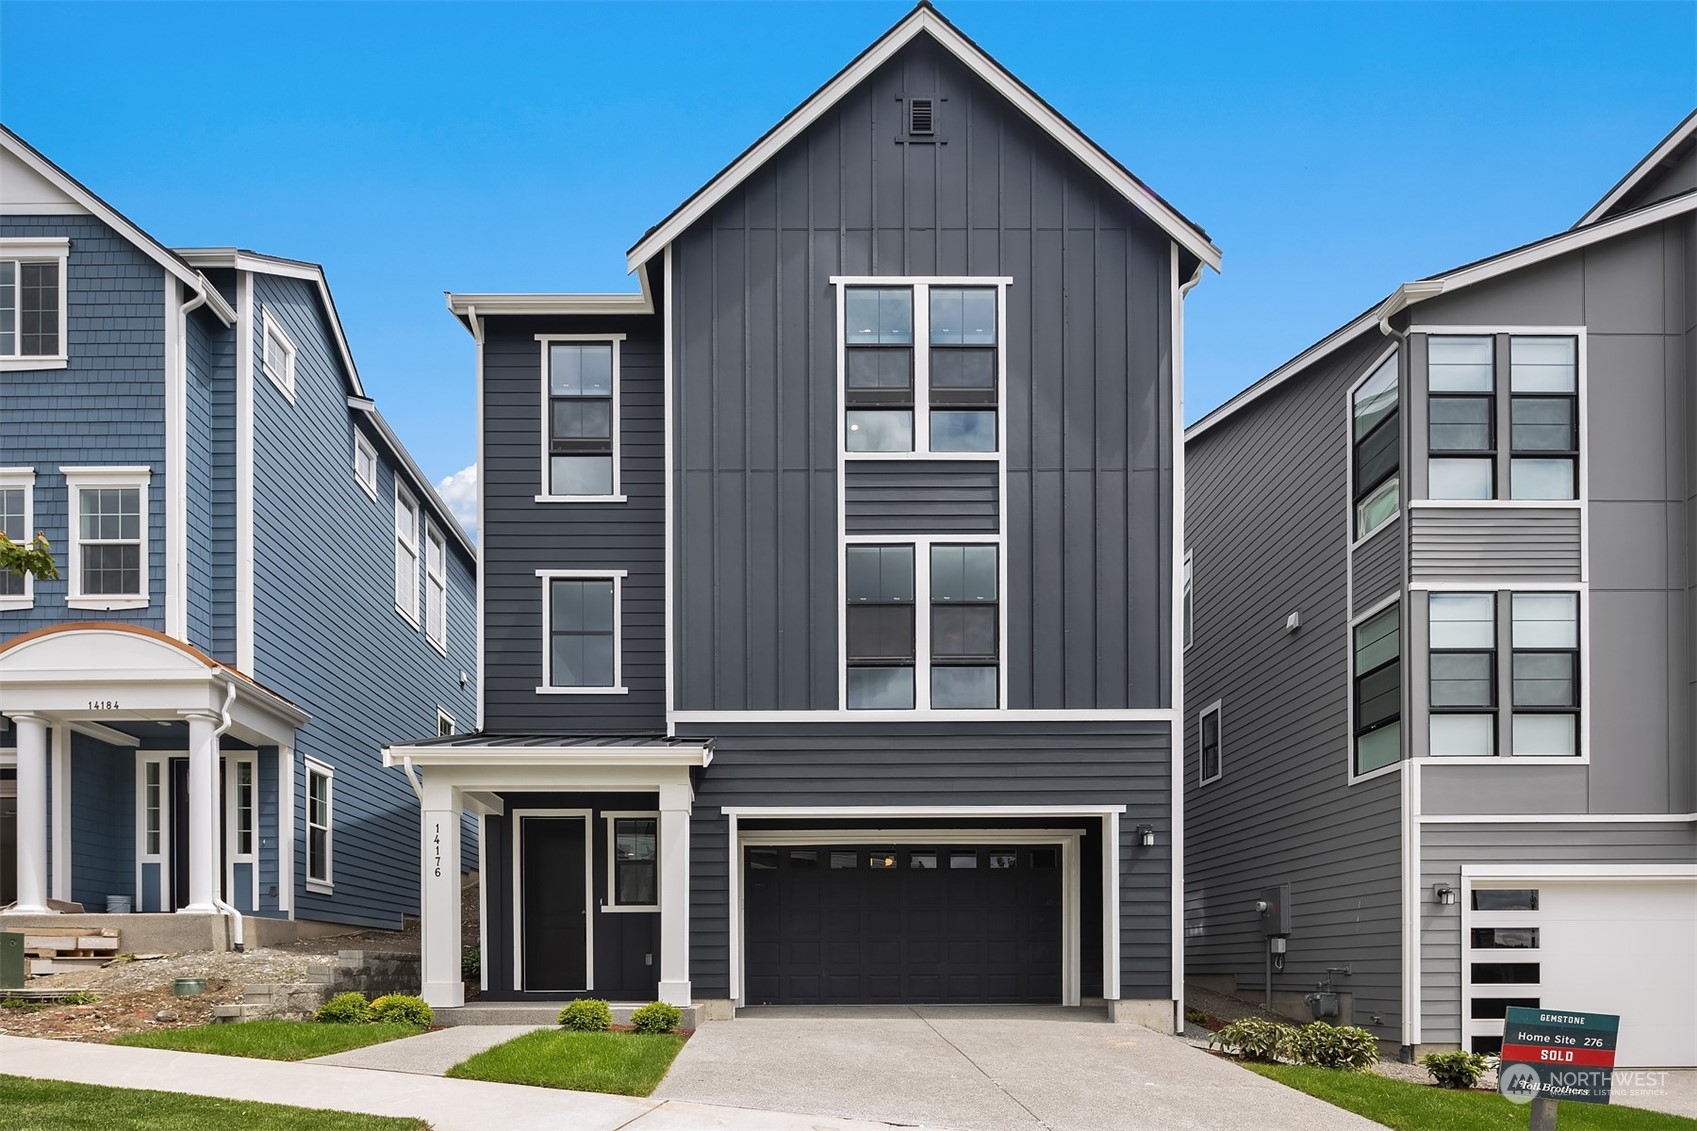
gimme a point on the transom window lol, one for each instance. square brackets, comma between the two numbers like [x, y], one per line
[109, 558]
[582, 378]
[32, 298]
[1377, 438]
[1467, 404]
[922, 371]
[1378, 690]
[581, 646]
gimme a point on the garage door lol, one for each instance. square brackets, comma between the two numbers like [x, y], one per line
[1609, 946]
[943, 923]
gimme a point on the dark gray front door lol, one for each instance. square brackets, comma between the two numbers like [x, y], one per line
[554, 911]
[945, 923]
[179, 839]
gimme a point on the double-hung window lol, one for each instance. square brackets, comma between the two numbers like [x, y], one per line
[109, 559]
[1377, 439]
[1544, 418]
[880, 620]
[879, 363]
[319, 812]
[435, 587]
[32, 300]
[963, 369]
[581, 461]
[406, 553]
[964, 621]
[581, 648]
[633, 858]
[1545, 680]
[1463, 646]
[1461, 417]
[1378, 690]
[17, 496]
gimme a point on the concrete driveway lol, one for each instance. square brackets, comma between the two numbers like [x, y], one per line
[987, 1068]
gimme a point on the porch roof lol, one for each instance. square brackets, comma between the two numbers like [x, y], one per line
[487, 748]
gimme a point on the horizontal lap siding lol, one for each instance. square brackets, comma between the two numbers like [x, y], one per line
[920, 498]
[1267, 520]
[1377, 566]
[521, 536]
[895, 765]
[1494, 543]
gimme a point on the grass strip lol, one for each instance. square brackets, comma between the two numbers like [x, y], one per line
[621, 1064]
[54, 1105]
[270, 1040]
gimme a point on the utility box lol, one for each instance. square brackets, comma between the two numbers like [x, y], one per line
[11, 961]
[1275, 920]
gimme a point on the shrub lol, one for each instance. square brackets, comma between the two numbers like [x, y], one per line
[471, 964]
[1459, 1069]
[1335, 1046]
[587, 1015]
[402, 1008]
[1254, 1038]
[21, 1005]
[344, 1009]
[656, 1017]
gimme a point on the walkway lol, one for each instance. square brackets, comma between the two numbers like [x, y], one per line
[429, 1054]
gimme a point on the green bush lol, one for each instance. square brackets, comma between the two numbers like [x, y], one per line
[344, 1009]
[21, 1005]
[1254, 1038]
[402, 1008]
[1459, 1069]
[656, 1017]
[587, 1015]
[471, 964]
[1335, 1046]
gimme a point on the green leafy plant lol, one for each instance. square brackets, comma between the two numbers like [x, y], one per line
[344, 1009]
[1459, 1069]
[656, 1017]
[21, 1005]
[471, 964]
[1254, 1038]
[79, 997]
[34, 557]
[587, 1015]
[402, 1008]
[1334, 1046]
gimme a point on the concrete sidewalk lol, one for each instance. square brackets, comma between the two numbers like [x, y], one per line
[429, 1054]
[446, 1105]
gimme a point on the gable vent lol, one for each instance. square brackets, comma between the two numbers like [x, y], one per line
[919, 116]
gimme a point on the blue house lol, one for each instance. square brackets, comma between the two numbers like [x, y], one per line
[259, 586]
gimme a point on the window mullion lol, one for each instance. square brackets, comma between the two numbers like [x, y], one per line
[921, 375]
[922, 613]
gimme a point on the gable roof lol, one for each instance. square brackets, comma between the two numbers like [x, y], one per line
[173, 263]
[1456, 278]
[1682, 138]
[926, 20]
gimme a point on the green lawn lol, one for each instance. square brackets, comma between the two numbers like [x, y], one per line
[270, 1040]
[624, 1064]
[51, 1105]
[1419, 1107]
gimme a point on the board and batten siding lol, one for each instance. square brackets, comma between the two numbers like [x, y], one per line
[106, 407]
[920, 498]
[330, 639]
[1466, 544]
[1446, 848]
[1268, 523]
[1089, 435]
[901, 764]
[521, 535]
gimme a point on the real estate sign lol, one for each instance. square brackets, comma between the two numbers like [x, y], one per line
[1558, 1055]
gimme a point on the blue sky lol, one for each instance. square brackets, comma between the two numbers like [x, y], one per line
[1331, 150]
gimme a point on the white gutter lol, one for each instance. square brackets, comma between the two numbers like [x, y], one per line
[228, 911]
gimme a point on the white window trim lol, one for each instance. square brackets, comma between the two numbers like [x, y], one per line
[410, 615]
[617, 577]
[921, 286]
[12, 479]
[1187, 594]
[443, 717]
[612, 904]
[232, 831]
[270, 324]
[544, 494]
[364, 447]
[1401, 476]
[437, 582]
[41, 249]
[1367, 614]
[326, 886]
[922, 544]
[78, 479]
[1217, 709]
[159, 859]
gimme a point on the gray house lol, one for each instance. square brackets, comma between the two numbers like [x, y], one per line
[829, 583]
[1440, 665]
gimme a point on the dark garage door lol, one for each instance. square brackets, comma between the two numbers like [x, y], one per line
[853, 923]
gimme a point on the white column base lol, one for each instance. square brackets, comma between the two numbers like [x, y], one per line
[199, 909]
[443, 995]
[675, 993]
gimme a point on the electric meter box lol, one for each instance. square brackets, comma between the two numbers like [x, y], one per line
[1276, 919]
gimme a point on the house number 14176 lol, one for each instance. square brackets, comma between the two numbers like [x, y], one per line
[437, 840]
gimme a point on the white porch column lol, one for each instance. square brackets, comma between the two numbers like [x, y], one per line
[439, 860]
[674, 893]
[203, 813]
[32, 815]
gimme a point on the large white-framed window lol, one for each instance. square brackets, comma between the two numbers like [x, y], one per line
[17, 520]
[580, 418]
[633, 861]
[922, 367]
[277, 359]
[406, 553]
[320, 828]
[108, 544]
[435, 588]
[582, 632]
[1376, 447]
[365, 464]
[1210, 743]
[33, 305]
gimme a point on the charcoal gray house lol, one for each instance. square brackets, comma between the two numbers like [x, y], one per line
[829, 593]
[1441, 660]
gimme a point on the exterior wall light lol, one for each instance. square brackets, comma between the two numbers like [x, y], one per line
[1146, 835]
[1444, 894]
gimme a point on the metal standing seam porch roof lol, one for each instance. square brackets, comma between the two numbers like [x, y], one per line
[652, 749]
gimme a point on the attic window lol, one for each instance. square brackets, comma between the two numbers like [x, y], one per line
[919, 117]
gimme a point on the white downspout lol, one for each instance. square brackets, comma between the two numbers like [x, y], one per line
[228, 911]
[412, 776]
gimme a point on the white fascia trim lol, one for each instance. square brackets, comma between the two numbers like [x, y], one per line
[1558, 818]
[22, 478]
[1182, 595]
[1105, 714]
[245, 516]
[1577, 871]
[487, 305]
[598, 757]
[908, 812]
[925, 19]
[1651, 161]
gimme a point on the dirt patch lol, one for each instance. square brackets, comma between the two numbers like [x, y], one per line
[119, 1011]
[1223, 1008]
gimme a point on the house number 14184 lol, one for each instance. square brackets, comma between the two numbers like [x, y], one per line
[103, 705]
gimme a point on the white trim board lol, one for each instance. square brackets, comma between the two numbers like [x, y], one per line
[1556, 818]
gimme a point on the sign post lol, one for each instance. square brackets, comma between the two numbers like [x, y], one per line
[1551, 1055]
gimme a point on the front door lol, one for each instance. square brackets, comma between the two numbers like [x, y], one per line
[553, 908]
